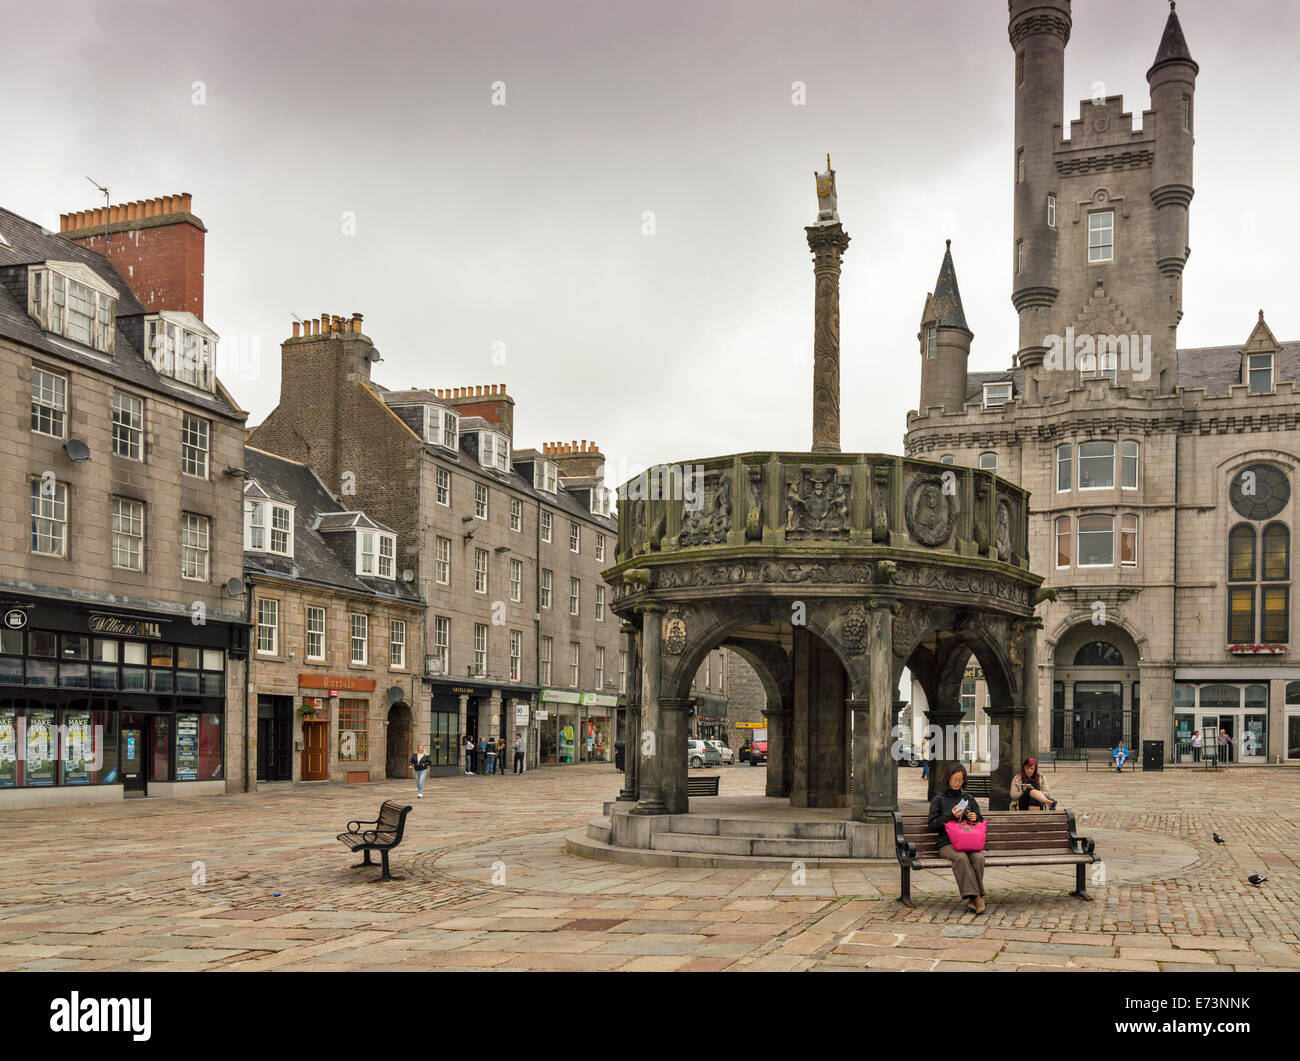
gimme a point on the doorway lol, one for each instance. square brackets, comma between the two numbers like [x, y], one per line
[315, 751]
[274, 738]
[398, 756]
[135, 783]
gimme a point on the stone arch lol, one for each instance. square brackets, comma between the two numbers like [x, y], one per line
[1061, 635]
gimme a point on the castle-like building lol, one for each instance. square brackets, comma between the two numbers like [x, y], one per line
[1161, 477]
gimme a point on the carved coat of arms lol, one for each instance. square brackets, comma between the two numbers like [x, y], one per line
[817, 503]
[674, 634]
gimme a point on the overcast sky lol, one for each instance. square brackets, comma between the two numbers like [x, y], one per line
[478, 225]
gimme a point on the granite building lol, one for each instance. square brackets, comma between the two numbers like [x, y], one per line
[504, 545]
[1161, 476]
[124, 615]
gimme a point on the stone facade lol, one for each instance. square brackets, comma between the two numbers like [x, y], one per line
[1149, 444]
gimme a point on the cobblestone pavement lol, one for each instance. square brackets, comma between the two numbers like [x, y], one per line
[260, 882]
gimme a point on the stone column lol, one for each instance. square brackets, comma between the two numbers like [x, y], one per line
[1010, 723]
[827, 241]
[861, 713]
[632, 714]
[778, 750]
[672, 753]
[650, 799]
[463, 702]
[494, 714]
[1030, 737]
[942, 717]
[881, 773]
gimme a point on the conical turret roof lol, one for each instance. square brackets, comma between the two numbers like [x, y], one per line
[1173, 45]
[947, 297]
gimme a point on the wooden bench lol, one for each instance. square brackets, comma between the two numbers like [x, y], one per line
[702, 786]
[1014, 838]
[386, 835]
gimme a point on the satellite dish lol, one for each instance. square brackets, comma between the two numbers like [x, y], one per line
[235, 587]
[373, 355]
[408, 575]
[396, 694]
[76, 450]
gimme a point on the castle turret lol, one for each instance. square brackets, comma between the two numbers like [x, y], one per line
[945, 342]
[1039, 31]
[1172, 78]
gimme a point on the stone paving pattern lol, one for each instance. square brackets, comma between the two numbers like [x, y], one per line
[115, 887]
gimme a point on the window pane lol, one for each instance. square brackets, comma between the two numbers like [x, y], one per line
[1128, 540]
[1241, 554]
[1063, 462]
[1241, 615]
[1063, 532]
[1096, 464]
[41, 643]
[1275, 615]
[1130, 462]
[1096, 541]
[1277, 547]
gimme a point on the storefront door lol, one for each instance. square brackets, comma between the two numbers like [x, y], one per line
[134, 781]
[315, 751]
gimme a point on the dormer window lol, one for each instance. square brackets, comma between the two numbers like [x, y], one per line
[181, 346]
[376, 553]
[494, 450]
[441, 427]
[268, 527]
[1259, 373]
[72, 300]
[546, 476]
[599, 501]
[996, 394]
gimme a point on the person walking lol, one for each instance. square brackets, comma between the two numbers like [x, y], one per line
[490, 746]
[1225, 747]
[469, 754]
[1196, 746]
[501, 754]
[952, 804]
[925, 758]
[421, 763]
[519, 753]
[1029, 788]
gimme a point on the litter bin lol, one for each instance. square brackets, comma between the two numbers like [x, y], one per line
[1153, 755]
[618, 754]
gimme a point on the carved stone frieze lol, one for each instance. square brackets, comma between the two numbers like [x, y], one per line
[853, 628]
[709, 524]
[754, 518]
[674, 633]
[817, 502]
[930, 511]
[880, 504]
[961, 581]
[1004, 530]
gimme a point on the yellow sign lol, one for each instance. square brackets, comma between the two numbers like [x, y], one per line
[750, 725]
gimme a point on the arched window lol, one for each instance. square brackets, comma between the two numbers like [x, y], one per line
[1096, 465]
[947, 458]
[1275, 593]
[1277, 552]
[989, 462]
[1241, 599]
[1064, 454]
[1063, 533]
[1096, 541]
[1241, 553]
[1128, 541]
[1128, 454]
[1259, 584]
[1099, 654]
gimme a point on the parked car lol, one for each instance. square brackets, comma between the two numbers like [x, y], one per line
[757, 753]
[698, 754]
[728, 756]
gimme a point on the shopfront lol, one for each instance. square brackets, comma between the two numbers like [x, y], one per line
[445, 738]
[598, 728]
[90, 699]
[1238, 709]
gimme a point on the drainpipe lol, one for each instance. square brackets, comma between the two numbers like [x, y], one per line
[248, 681]
[537, 639]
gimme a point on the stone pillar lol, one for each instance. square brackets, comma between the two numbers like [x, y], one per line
[650, 798]
[827, 241]
[778, 750]
[463, 702]
[861, 713]
[632, 714]
[1010, 723]
[882, 775]
[494, 714]
[942, 716]
[798, 727]
[1031, 743]
[672, 753]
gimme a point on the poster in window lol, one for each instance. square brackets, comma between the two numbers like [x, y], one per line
[187, 747]
[41, 747]
[78, 751]
[8, 748]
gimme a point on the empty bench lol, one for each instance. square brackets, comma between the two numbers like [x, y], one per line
[977, 785]
[1014, 838]
[702, 786]
[386, 835]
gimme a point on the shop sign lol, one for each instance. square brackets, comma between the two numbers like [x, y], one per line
[466, 689]
[750, 725]
[561, 696]
[111, 624]
[974, 672]
[334, 684]
[521, 714]
[597, 711]
[542, 714]
[15, 619]
[603, 699]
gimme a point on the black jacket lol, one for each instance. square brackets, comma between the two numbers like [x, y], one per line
[941, 812]
[421, 762]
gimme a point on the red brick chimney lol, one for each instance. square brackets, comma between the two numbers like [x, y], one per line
[156, 244]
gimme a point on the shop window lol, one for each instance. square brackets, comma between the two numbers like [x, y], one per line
[353, 738]
[210, 747]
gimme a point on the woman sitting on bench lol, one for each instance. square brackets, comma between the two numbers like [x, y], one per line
[954, 805]
[1029, 790]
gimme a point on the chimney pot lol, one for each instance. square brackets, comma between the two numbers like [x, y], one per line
[186, 201]
[295, 329]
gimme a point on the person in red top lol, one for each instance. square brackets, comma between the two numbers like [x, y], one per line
[1029, 789]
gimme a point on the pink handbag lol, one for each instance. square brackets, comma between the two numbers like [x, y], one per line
[967, 836]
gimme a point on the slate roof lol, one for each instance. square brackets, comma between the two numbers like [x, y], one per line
[319, 559]
[975, 383]
[1216, 368]
[26, 243]
[1173, 45]
[947, 297]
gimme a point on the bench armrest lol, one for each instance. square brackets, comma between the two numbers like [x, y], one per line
[1080, 845]
[355, 827]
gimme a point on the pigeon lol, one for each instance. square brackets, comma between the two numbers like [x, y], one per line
[1256, 879]
[1218, 839]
